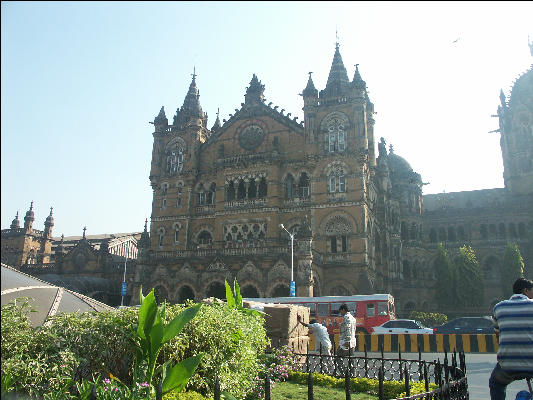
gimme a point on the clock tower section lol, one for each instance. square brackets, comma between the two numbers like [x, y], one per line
[174, 167]
[339, 127]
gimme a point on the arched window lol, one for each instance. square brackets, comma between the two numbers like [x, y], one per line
[336, 136]
[461, 233]
[442, 234]
[290, 187]
[211, 194]
[201, 195]
[205, 238]
[303, 185]
[185, 293]
[433, 235]
[178, 201]
[337, 230]
[161, 234]
[230, 193]
[337, 182]
[252, 189]
[160, 293]
[175, 160]
[176, 234]
[483, 231]
[241, 190]
[451, 234]
[262, 192]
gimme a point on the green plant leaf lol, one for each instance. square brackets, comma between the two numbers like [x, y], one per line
[176, 325]
[179, 375]
[238, 297]
[227, 396]
[229, 296]
[147, 313]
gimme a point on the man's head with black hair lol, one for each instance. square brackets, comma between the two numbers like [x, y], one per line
[523, 286]
[313, 321]
[343, 309]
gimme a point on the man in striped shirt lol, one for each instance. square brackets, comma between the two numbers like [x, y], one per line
[513, 324]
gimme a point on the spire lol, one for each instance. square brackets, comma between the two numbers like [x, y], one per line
[254, 92]
[310, 90]
[144, 241]
[61, 245]
[358, 82]
[15, 224]
[217, 123]
[338, 81]
[29, 218]
[191, 105]
[161, 118]
[391, 149]
[84, 229]
[50, 219]
[502, 98]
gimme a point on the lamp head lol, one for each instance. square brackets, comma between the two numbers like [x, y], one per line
[281, 226]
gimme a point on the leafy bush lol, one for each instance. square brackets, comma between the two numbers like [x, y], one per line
[429, 319]
[391, 389]
[231, 341]
[44, 360]
[184, 396]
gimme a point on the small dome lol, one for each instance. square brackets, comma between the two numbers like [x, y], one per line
[522, 91]
[398, 164]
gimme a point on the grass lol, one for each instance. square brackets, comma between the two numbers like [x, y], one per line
[295, 391]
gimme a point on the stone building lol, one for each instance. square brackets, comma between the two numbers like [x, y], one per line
[90, 265]
[360, 223]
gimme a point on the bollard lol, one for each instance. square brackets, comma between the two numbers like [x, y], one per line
[347, 384]
[267, 388]
[400, 361]
[426, 381]
[407, 386]
[217, 389]
[366, 364]
[320, 359]
[380, 387]
[310, 386]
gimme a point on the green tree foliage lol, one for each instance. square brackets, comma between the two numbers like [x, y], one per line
[428, 319]
[511, 268]
[469, 281]
[445, 276]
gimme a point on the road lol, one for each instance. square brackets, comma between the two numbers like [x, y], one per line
[478, 369]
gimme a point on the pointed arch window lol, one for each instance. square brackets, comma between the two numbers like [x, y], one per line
[211, 194]
[230, 193]
[337, 182]
[262, 192]
[336, 136]
[161, 238]
[241, 190]
[176, 234]
[290, 187]
[303, 185]
[175, 160]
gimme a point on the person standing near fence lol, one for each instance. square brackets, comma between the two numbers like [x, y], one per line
[322, 342]
[513, 325]
[347, 332]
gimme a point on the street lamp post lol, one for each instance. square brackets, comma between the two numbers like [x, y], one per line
[123, 288]
[292, 290]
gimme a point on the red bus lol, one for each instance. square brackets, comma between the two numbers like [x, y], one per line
[369, 310]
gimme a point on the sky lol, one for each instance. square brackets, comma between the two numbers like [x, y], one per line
[80, 82]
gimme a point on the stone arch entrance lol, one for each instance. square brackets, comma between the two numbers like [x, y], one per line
[280, 290]
[161, 294]
[249, 291]
[185, 293]
[216, 289]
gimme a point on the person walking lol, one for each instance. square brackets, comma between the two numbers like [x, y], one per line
[347, 332]
[513, 325]
[322, 342]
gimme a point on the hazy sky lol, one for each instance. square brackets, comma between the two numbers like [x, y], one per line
[80, 81]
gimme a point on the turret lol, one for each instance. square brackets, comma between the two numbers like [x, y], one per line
[15, 224]
[217, 124]
[161, 121]
[254, 92]
[48, 224]
[29, 218]
[191, 110]
[338, 84]
[310, 93]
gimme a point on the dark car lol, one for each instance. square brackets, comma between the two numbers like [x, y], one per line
[467, 325]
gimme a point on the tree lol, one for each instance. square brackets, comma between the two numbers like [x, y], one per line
[469, 281]
[445, 276]
[511, 268]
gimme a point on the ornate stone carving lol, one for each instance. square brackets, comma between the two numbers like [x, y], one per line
[251, 137]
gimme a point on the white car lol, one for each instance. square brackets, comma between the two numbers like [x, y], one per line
[397, 326]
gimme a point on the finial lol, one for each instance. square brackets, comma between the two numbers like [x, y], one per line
[194, 73]
[17, 216]
[146, 225]
[51, 208]
[336, 38]
[310, 73]
[84, 229]
[218, 111]
[391, 149]
[31, 206]
[62, 238]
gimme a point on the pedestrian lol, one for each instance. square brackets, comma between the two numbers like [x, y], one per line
[513, 325]
[347, 332]
[322, 342]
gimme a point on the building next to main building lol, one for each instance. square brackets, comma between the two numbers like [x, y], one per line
[354, 208]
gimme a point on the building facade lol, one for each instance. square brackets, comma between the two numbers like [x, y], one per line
[360, 223]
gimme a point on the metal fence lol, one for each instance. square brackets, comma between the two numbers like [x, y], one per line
[449, 375]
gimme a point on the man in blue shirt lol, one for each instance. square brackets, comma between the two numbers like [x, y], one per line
[513, 324]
